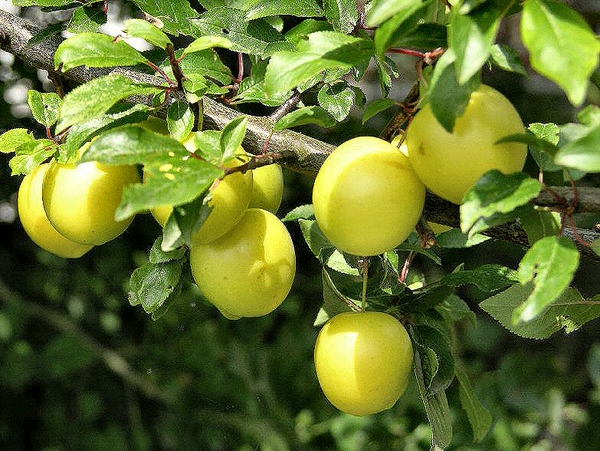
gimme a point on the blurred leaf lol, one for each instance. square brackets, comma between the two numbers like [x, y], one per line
[95, 50]
[41, 2]
[589, 115]
[94, 98]
[539, 224]
[479, 417]
[507, 58]
[488, 278]
[337, 100]
[297, 8]
[471, 37]
[44, 106]
[561, 44]
[341, 14]
[147, 31]
[11, 140]
[494, 193]
[300, 212]
[174, 15]
[66, 354]
[596, 246]
[550, 265]
[254, 37]
[436, 408]
[303, 116]
[376, 107]
[570, 312]
[180, 120]
[320, 51]
[582, 153]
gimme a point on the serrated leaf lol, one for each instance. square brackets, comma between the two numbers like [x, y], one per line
[232, 136]
[507, 58]
[86, 20]
[376, 107]
[297, 8]
[300, 212]
[437, 362]
[470, 37]
[30, 155]
[569, 311]
[152, 285]
[436, 408]
[174, 15]
[207, 42]
[539, 224]
[44, 106]
[487, 278]
[550, 265]
[96, 97]
[337, 100]
[11, 140]
[582, 153]
[561, 44]
[304, 116]
[256, 37]
[341, 14]
[139, 28]
[447, 97]
[479, 417]
[95, 50]
[494, 193]
[320, 51]
[180, 120]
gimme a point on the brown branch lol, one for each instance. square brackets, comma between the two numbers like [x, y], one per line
[297, 152]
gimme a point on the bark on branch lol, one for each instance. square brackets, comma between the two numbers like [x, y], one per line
[299, 152]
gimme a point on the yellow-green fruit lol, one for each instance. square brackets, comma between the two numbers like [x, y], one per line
[267, 192]
[81, 200]
[449, 164]
[36, 223]
[363, 361]
[249, 271]
[367, 199]
[229, 200]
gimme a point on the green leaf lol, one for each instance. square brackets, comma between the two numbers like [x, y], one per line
[596, 246]
[436, 408]
[334, 302]
[11, 140]
[300, 212]
[303, 116]
[207, 42]
[543, 146]
[494, 193]
[376, 107]
[341, 14]
[455, 239]
[180, 120]
[255, 37]
[139, 28]
[30, 155]
[539, 224]
[86, 20]
[174, 15]
[471, 37]
[184, 222]
[582, 153]
[44, 106]
[158, 255]
[232, 137]
[437, 361]
[550, 265]
[423, 301]
[152, 285]
[479, 417]
[297, 8]
[569, 311]
[252, 88]
[65, 355]
[337, 100]
[425, 36]
[95, 50]
[382, 10]
[315, 239]
[94, 98]
[41, 2]
[561, 44]
[447, 97]
[507, 58]
[488, 278]
[320, 51]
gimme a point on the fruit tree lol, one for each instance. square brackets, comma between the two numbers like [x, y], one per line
[386, 119]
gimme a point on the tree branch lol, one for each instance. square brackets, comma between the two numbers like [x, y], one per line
[299, 152]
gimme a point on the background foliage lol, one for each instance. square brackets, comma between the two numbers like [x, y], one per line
[81, 369]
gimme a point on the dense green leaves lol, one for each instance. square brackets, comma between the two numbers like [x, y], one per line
[173, 15]
[561, 45]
